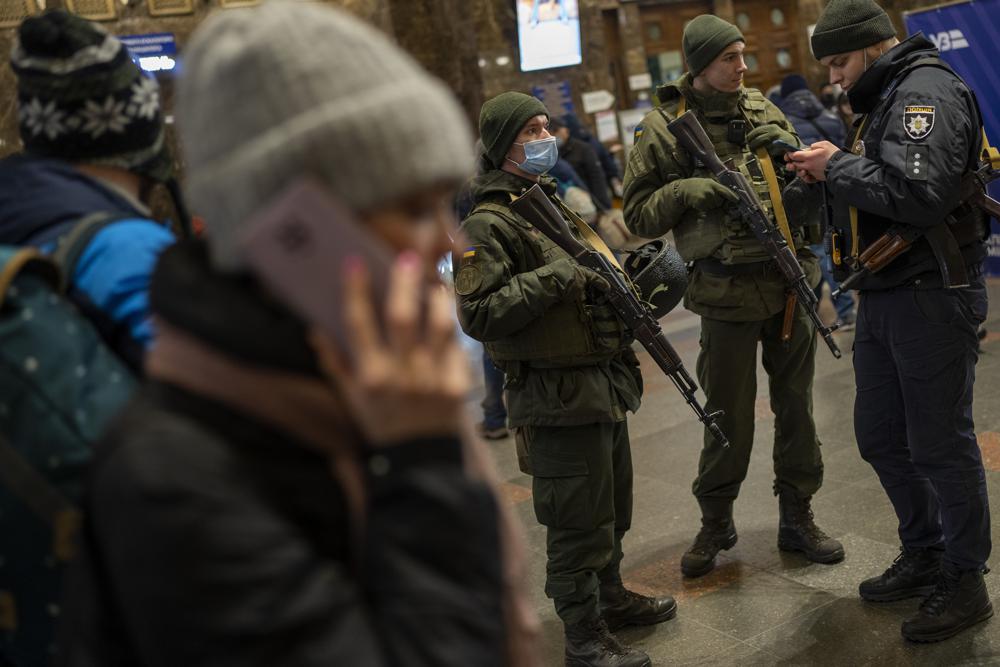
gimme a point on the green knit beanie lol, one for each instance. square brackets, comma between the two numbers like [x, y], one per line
[502, 118]
[850, 25]
[704, 38]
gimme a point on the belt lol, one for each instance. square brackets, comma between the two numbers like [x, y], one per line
[714, 267]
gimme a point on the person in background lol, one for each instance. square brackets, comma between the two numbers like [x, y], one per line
[828, 95]
[584, 161]
[494, 424]
[270, 497]
[846, 113]
[612, 170]
[94, 150]
[94, 142]
[814, 123]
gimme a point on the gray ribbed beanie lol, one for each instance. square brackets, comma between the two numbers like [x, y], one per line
[291, 88]
[704, 38]
[850, 25]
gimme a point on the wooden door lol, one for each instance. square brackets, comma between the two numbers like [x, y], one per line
[772, 48]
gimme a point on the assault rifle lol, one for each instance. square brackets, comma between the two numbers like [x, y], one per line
[900, 238]
[535, 207]
[691, 136]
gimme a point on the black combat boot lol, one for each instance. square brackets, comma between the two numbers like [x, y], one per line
[913, 574]
[590, 644]
[621, 607]
[717, 532]
[798, 532]
[959, 601]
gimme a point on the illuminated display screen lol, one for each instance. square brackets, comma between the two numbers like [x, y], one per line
[548, 33]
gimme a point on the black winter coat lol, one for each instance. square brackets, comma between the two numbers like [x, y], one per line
[584, 160]
[213, 539]
[921, 134]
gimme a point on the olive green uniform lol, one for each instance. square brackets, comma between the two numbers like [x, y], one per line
[738, 292]
[571, 378]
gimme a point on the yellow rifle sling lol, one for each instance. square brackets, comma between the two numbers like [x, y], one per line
[853, 211]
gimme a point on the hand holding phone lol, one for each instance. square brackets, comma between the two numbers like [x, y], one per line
[383, 337]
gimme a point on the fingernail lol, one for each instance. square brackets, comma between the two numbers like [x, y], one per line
[408, 259]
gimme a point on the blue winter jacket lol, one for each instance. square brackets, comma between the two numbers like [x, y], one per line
[801, 107]
[41, 198]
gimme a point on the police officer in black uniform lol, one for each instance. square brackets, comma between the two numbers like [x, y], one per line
[915, 347]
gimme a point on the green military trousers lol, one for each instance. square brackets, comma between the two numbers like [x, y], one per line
[727, 371]
[582, 492]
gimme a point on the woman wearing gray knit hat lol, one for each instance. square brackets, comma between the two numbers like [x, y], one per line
[273, 497]
[571, 378]
[915, 347]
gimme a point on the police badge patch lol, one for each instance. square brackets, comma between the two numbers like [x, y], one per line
[918, 121]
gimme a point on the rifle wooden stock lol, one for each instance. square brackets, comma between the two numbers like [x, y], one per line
[900, 238]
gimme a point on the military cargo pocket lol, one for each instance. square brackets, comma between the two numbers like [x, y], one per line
[715, 290]
[561, 491]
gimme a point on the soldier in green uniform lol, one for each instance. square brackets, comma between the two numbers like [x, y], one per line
[737, 290]
[571, 378]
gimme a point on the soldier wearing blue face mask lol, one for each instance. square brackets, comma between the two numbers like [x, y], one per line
[571, 378]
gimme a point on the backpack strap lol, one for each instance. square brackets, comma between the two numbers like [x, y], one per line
[24, 482]
[70, 247]
[13, 261]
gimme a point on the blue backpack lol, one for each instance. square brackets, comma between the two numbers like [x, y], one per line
[60, 385]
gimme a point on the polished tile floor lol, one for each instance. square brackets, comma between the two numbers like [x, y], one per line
[762, 606]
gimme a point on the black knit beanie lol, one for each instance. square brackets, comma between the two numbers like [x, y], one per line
[850, 25]
[82, 99]
[793, 83]
[704, 38]
[502, 118]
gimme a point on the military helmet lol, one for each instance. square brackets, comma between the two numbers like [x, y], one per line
[659, 273]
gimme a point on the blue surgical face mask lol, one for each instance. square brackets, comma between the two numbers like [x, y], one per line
[539, 156]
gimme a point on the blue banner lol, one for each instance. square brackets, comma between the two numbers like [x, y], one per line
[967, 34]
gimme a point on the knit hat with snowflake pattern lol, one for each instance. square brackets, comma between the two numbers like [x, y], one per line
[82, 99]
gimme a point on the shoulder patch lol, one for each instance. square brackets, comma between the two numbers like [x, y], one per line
[918, 121]
[468, 280]
[638, 133]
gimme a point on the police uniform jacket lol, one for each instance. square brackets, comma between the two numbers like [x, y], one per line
[657, 165]
[567, 358]
[920, 132]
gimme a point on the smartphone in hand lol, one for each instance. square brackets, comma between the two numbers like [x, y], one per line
[787, 147]
[297, 246]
